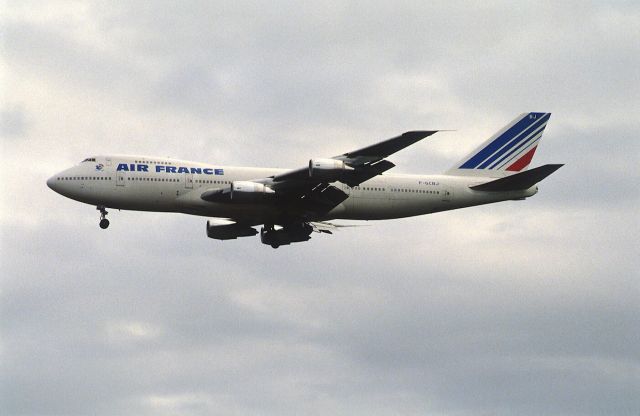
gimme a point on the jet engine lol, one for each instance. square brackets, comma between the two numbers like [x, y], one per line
[326, 168]
[249, 191]
[228, 230]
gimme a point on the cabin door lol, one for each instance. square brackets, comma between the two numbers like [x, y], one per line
[120, 178]
[446, 193]
[188, 180]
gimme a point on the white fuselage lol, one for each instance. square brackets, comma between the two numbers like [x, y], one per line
[169, 185]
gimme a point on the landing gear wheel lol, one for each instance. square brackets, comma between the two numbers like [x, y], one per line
[275, 245]
[104, 222]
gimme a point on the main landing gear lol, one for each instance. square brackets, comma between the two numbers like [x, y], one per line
[104, 222]
[291, 233]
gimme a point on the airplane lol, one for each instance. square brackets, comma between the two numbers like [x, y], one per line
[291, 204]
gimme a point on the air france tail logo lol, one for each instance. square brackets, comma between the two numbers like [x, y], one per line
[515, 144]
[137, 167]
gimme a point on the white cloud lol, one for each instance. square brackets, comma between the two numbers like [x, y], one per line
[131, 331]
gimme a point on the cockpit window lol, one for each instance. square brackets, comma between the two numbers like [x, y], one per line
[89, 159]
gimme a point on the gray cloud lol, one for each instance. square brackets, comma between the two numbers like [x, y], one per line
[515, 308]
[13, 122]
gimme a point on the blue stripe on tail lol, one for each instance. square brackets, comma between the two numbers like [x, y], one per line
[514, 152]
[527, 124]
[526, 135]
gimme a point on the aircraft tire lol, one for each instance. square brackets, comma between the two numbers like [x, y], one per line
[104, 223]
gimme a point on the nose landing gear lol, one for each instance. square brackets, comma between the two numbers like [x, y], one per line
[104, 222]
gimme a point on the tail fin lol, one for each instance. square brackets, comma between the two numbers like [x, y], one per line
[508, 151]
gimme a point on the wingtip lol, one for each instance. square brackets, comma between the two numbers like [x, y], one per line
[419, 133]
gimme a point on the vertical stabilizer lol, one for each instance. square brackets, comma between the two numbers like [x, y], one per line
[508, 151]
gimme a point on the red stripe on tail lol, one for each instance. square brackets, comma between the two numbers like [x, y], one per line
[523, 162]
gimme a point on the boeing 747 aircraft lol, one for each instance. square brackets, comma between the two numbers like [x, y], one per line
[291, 204]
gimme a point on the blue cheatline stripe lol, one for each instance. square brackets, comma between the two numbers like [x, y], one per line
[523, 136]
[523, 145]
[501, 140]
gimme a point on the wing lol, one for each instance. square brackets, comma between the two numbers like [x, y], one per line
[354, 167]
[307, 192]
[383, 149]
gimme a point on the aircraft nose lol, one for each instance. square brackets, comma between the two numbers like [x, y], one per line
[51, 183]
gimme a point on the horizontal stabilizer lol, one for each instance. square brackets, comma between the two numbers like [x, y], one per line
[518, 181]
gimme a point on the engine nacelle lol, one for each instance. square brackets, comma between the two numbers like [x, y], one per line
[250, 191]
[326, 168]
[228, 230]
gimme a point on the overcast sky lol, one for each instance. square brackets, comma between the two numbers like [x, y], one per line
[518, 308]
